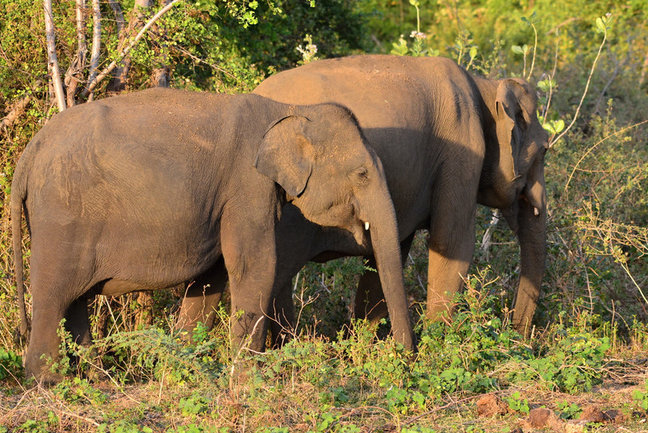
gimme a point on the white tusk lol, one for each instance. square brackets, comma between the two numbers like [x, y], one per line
[366, 225]
[536, 212]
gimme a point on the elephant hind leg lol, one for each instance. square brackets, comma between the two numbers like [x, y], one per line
[48, 310]
[59, 284]
[202, 297]
[77, 322]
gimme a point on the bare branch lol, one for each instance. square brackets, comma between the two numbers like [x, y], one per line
[96, 41]
[73, 74]
[52, 63]
[92, 84]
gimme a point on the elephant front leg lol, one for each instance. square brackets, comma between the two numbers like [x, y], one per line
[450, 248]
[250, 260]
[202, 297]
[446, 274]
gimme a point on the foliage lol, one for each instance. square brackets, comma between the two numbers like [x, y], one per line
[517, 403]
[10, 364]
[640, 396]
[569, 410]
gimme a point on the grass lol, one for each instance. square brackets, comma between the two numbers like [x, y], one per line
[152, 380]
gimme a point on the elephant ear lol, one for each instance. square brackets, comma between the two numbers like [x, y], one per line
[286, 155]
[509, 124]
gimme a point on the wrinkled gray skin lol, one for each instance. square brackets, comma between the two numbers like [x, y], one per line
[151, 189]
[448, 140]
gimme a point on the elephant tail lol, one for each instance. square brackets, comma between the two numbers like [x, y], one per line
[18, 194]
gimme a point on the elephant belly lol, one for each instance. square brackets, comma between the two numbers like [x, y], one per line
[155, 263]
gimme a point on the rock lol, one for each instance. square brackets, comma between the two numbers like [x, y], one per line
[544, 418]
[592, 414]
[490, 405]
[614, 416]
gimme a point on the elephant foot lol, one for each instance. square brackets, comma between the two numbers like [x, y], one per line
[43, 376]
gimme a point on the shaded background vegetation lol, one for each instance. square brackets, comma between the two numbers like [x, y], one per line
[597, 173]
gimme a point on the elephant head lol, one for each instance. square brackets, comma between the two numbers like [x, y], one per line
[320, 158]
[512, 180]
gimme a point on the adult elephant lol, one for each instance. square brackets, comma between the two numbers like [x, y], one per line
[154, 188]
[448, 140]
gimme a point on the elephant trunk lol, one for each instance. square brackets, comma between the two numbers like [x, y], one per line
[531, 232]
[377, 209]
[533, 254]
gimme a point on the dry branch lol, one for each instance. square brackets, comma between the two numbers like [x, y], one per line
[52, 63]
[15, 111]
[73, 74]
[96, 41]
[92, 84]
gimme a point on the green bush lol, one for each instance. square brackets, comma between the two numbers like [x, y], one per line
[10, 364]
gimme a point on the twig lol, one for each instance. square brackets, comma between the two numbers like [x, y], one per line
[587, 84]
[204, 62]
[437, 409]
[488, 234]
[594, 147]
[535, 46]
[551, 77]
[93, 84]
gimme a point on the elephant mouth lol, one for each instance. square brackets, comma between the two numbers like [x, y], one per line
[361, 232]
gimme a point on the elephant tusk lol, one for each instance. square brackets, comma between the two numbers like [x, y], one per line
[366, 225]
[536, 212]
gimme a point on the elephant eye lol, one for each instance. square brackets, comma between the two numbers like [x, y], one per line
[360, 175]
[521, 120]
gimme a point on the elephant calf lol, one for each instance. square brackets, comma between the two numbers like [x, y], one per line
[154, 188]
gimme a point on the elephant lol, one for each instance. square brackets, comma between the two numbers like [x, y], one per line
[447, 140]
[150, 189]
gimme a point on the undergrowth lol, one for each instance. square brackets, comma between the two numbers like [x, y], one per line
[153, 379]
